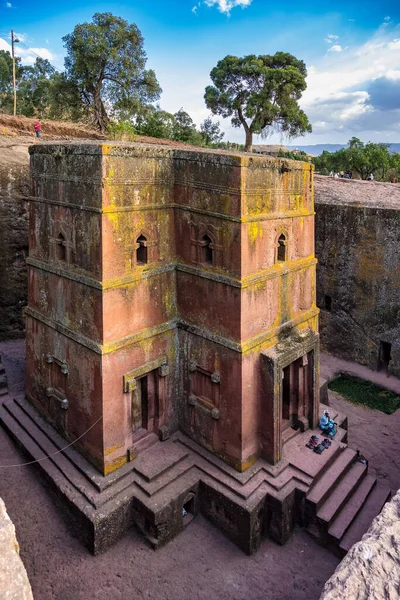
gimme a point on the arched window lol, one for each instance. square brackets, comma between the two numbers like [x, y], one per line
[282, 248]
[206, 251]
[61, 249]
[141, 250]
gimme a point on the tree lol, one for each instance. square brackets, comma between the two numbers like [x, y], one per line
[362, 159]
[66, 101]
[6, 86]
[260, 93]
[184, 129]
[156, 122]
[34, 88]
[106, 61]
[211, 132]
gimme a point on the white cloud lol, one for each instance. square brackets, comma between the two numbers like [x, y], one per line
[335, 48]
[43, 53]
[8, 4]
[394, 45]
[225, 6]
[331, 38]
[28, 55]
[20, 36]
[386, 19]
[349, 93]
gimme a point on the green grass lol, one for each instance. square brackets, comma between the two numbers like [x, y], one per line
[366, 393]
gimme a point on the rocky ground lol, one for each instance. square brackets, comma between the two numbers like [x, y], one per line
[200, 563]
[354, 191]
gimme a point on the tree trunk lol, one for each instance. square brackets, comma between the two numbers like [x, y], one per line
[249, 134]
[249, 141]
[100, 115]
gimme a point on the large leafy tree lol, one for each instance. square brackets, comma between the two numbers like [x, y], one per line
[260, 93]
[106, 61]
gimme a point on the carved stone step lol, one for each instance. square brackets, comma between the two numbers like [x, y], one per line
[342, 493]
[351, 509]
[322, 488]
[372, 507]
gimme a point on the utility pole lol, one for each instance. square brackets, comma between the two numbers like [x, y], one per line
[14, 40]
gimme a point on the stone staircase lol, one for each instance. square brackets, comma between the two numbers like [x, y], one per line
[342, 502]
[333, 493]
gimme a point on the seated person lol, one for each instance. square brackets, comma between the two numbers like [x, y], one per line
[327, 425]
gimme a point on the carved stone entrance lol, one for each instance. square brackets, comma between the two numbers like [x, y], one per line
[146, 389]
[297, 392]
[291, 384]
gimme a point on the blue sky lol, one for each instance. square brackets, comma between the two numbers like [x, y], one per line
[352, 52]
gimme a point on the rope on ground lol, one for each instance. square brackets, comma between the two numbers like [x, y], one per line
[32, 462]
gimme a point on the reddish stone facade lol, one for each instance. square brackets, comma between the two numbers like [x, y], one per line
[171, 289]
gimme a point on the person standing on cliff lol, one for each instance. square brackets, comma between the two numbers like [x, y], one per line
[38, 128]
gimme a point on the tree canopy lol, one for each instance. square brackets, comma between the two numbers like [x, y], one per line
[260, 93]
[106, 62]
[211, 132]
[362, 159]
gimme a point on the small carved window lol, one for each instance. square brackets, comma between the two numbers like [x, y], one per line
[282, 248]
[141, 250]
[328, 303]
[206, 251]
[61, 248]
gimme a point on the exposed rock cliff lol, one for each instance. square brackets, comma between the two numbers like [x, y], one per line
[14, 187]
[14, 582]
[370, 571]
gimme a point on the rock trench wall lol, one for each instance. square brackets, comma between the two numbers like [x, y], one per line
[370, 570]
[14, 582]
[358, 282]
[14, 186]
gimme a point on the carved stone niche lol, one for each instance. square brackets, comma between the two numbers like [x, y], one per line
[205, 242]
[61, 243]
[56, 390]
[204, 389]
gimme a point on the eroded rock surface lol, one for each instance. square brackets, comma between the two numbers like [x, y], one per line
[14, 583]
[370, 571]
[14, 191]
[357, 231]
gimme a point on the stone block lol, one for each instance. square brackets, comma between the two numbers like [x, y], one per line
[14, 582]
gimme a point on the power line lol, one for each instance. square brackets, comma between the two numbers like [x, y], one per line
[33, 52]
[32, 462]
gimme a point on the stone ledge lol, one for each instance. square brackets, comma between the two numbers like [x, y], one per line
[14, 582]
[370, 570]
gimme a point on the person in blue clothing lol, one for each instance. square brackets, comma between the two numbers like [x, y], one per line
[327, 425]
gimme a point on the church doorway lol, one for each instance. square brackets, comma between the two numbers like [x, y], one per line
[297, 392]
[145, 404]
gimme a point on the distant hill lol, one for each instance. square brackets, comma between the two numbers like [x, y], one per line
[318, 149]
